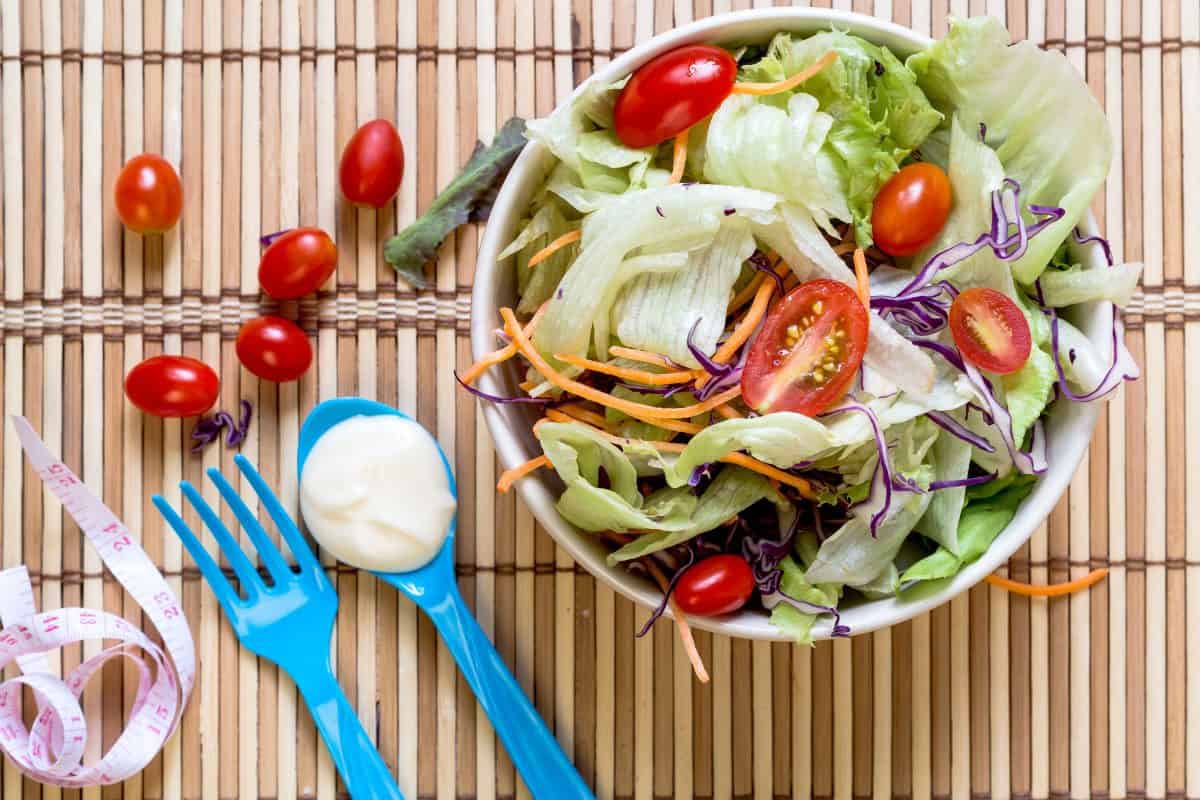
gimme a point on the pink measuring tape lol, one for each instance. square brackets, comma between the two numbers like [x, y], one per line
[51, 750]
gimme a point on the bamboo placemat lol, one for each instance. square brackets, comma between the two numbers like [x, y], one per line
[990, 696]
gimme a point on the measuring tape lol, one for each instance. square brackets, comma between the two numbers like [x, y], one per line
[51, 750]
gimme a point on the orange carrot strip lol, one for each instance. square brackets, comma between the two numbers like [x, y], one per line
[625, 373]
[745, 295]
[577, 411]
[578, 389]
[557, 244]
[680, 156]
[643, 356]
[747, 324]
[862, 277]
[503, 354]
[510, 476]
[844, 248]
[671, 425]
[554, 415]
[788, 84]
[754, 465]
[685, 630]
[728, 413]
[1052, 590]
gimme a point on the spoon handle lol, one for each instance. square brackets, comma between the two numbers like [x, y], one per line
[533, 749]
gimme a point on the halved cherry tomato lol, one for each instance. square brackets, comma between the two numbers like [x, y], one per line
[990, 331]
[148, 194]
[172, 386]
[672, 92]
[372, 164]
[274, 349]
[716, 585]
[910, 209]
[808, 350]
[297, 263]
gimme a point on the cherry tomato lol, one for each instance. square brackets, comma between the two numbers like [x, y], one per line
[274, 349]
[808, 350]
[172, 386]
[990, 330]
[148, 194]
[672, 92]
[372, 164]
[297, 263]
[910, 209]
[716, 585]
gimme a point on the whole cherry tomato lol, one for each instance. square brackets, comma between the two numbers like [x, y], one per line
[274, 349]
[716, 585]
[808, 350]
[172, 386]
[910, 209]
[990, 331]
[296, 263]
[672, 92]
[148, 194]
[372, 164]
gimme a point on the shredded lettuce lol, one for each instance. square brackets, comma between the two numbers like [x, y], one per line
[854, 556]
[951, 462]
[1075, 285]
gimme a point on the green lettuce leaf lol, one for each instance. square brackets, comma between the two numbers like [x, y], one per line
[1075, 285]
[951, 462]
[791, 620]
[852, 555]
[1049, 132]
[468, 198]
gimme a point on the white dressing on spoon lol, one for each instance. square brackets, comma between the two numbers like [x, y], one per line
[374, 493]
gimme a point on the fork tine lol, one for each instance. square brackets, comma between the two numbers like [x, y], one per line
[229, 546]
[283, 521]
[270, 554]
[208, 567]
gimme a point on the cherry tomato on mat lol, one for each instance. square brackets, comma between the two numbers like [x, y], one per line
[296, 263]
[910, 209]
[274, 349]
[148, 194]
[809, 349]
[990, 331]
[716, 585]
[172, 386]
[672, 92]
[372, 164]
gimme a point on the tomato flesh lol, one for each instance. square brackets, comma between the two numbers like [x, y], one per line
[172, 386]
[372, 164]
[672, 92]
[808, 351]
[274, 349]
[148, 194]
[911, 208]
[990, 330]
[717, 585]
[297, 263]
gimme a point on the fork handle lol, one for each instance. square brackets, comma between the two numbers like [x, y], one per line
[358, 762]
[533, 749]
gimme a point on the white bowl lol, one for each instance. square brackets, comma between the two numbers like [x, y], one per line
[1069, 425]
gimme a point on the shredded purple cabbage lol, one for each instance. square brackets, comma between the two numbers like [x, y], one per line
[1007, 238]
[1032, 462]
[839, 630]
[765, 555]
[879, 501]
[759, 261]
[208, 429]
[1100, 240]
[494, 398]
[663, 391]
[267, 239]
[700, 474]
[923, 311]
[711, 367]
[955, 428]
[972, 481]
[666, 598]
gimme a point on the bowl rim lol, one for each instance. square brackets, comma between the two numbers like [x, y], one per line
[1073, 422]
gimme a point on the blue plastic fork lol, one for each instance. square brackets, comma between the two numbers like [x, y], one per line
[535, 753]
[289, 622]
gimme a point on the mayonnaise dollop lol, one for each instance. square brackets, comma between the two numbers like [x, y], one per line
[375, 494]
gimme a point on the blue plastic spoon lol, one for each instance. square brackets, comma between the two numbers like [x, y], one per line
[542, 763]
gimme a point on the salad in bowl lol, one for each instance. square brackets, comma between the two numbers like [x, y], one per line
[792, 313]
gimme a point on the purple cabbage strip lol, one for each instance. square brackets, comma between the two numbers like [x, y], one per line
[765, 555]
[945, 351]
[1100, 240]
[662, 606]
[494, 398]
[237, 433]
[759, 261]
[955, 428]
[268, 239]
[1007, 244]
[711, 367]
[972, 481]
[879, 500]
[208, 429]
[839, 630]
[923, 310]
[1032, 462]
[700, 473]
[663, 391]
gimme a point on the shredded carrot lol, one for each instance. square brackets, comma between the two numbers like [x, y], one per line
[678, 426]
[642, 356]
[1052, 590]
[844, 248]
[862, 277]
[728, 412]
[625, 373]
[748, 323]
[503, 354]
[554, 415]
[789, 84]
[567, 238]
[510, 476]
[577, 411]
[526, 386]
[640, 410]
[754, 465]
[679, 160]
[685, 630]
